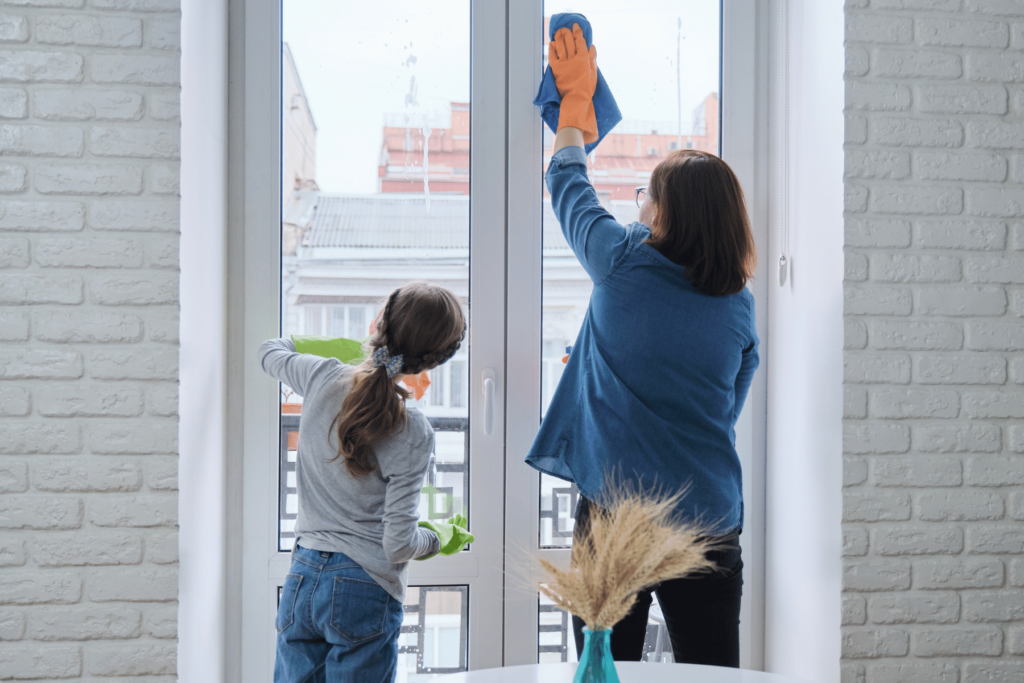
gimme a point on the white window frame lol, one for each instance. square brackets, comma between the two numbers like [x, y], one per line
[505, 224]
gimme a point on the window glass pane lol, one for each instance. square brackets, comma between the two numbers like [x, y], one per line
[358, 328]
[375, 193]
[666, 87]
[434, 632]
[313, 323]
[336, 321]
[446, 492]
[459, 383]
[438, 378]
[555, 639]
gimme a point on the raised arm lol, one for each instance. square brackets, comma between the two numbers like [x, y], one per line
[280, 360]
[593, 234]
[567, 137]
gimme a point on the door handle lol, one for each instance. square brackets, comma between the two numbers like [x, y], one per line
[488, 389]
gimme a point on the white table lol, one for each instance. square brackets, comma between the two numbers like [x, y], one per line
[629, 672]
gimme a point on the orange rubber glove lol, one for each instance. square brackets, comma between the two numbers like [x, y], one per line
[417, 383]
[575, 72]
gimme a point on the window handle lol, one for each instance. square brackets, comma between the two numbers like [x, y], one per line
[488, 389]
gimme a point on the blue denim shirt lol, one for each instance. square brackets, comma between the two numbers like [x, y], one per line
[658, 374]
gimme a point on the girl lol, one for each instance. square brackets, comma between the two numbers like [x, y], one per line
[361, 462]
[663, 362]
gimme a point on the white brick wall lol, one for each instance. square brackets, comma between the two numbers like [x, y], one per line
[934, 365]
[89, 140]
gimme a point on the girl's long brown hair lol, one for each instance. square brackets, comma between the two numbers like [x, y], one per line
[701, 221]
[425, 324]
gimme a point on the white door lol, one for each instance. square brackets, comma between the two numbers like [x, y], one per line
[395, 141]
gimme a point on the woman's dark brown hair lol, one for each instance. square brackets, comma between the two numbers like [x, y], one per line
[425, 325]
[700, 221]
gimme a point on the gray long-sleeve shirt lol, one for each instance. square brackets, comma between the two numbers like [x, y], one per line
[372, 519]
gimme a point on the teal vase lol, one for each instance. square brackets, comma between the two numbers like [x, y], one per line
[596, 665]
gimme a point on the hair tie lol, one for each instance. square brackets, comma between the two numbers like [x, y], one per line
[383, 359]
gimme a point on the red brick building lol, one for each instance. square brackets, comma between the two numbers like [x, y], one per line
[623, 160]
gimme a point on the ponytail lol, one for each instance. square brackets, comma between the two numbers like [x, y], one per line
[423, 324]
[373, 410]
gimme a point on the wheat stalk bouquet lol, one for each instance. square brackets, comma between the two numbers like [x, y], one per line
[633, 543]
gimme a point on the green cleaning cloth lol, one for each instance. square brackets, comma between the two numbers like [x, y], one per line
[346, 350]
[452, 534]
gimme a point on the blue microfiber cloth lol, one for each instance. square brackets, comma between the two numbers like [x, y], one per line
[548, 99]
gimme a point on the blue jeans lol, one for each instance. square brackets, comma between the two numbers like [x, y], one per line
[335, 623]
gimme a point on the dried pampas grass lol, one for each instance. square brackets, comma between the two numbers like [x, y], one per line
[633, 543]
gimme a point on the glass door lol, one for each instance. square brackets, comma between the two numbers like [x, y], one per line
[375, 148]
[391, 157]
[670, 87]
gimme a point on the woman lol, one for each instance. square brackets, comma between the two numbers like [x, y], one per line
[663, 361]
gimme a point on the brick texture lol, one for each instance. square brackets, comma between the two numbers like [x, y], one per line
[933, 523]
[89, 222]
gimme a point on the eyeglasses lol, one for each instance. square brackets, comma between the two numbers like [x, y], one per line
[641, 192]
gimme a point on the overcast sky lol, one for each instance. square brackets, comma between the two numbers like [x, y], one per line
[358, 62]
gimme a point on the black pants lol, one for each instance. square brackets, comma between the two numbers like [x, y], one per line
[702, 613]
